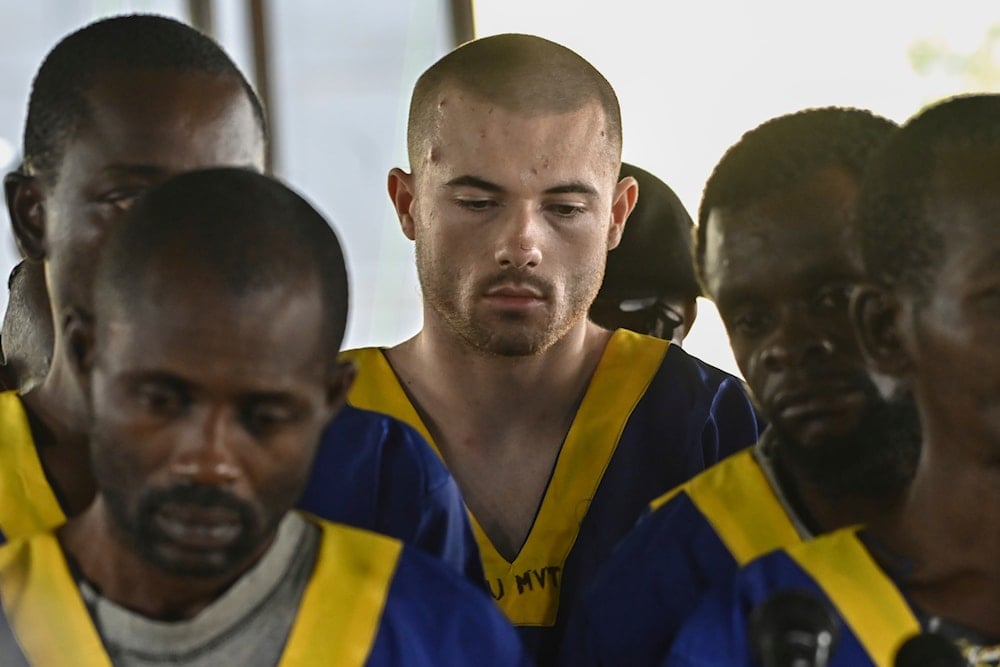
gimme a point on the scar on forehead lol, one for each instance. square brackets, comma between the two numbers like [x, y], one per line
[434, 154]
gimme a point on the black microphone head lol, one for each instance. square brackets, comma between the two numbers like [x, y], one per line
[928, 650]
[793, 628]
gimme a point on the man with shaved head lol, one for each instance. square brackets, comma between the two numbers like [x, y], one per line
[207, 369]
[557, 431]
[117, 107]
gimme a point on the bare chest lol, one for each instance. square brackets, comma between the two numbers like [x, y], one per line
[504, 482]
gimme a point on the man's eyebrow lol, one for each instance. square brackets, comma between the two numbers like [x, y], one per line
[573, 187]
[473, 182]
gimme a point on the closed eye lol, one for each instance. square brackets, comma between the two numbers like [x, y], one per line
[834, 298]
[264, 417]
[120, 200]
[476, 205]
[161, 398]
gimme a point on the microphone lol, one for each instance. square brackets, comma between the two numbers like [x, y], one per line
[928, 650]
[793, 628]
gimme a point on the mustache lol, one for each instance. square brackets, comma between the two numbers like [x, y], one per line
[519, 277]
[196, 495]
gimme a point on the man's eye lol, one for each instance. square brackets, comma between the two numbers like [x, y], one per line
[566, 210]
[476, 204]
[265, 417]
[750, 324]
[834, 298]
[160, 400]
[121, 200]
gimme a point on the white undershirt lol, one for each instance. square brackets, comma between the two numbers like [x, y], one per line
[248, 625]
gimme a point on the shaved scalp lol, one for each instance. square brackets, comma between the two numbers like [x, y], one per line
[520, 73]
[246, 228]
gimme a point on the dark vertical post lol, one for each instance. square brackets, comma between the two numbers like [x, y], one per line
[262, 70]
[200, 12]
[463, 21]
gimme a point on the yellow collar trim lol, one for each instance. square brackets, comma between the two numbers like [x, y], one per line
[528, 589]
[27, 503]
[866, 598]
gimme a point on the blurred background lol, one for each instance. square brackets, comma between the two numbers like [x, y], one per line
[691, 77]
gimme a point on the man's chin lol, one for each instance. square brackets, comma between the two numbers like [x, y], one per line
[196, 564]
[821, 435]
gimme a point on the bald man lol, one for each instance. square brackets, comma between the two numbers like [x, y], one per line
[558, 431]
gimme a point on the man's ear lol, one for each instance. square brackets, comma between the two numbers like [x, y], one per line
[27, 213]
[690, 314]
[876, 316]
[78, 336]
[339, 382]
[623, 201]
[401, 192]
[8, 378]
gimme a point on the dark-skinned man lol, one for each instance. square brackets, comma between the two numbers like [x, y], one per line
[207, 371]
[778, 251]
[116, 107]
[927, 325]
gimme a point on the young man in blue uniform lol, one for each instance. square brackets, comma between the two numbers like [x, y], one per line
[928, 327]
[207, 368]
[116, 107]
[649, 282]
[778, 252]
[558, 432]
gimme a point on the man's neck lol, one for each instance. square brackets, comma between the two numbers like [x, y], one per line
[439, 369]
[499, 422]
[113, 567]
[816, 507]
[947, 535]
[57, 413]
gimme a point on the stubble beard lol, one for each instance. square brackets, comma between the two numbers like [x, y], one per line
[877, 459]
[508, 335]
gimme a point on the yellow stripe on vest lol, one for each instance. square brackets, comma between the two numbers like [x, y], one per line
[27, 502]
[527, 589]
[377, 388]
[869, 602]
[45, 608]
[736, 498]
[343, 603]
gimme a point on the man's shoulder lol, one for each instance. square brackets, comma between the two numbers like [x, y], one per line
[28, 503]
[428, 613]
[740, 466]
[429, 600]
[359, 432]
[364, 355]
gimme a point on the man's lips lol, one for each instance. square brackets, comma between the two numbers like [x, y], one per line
[514, 295]
[819, 403]
[199, 527]
[515, 291]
